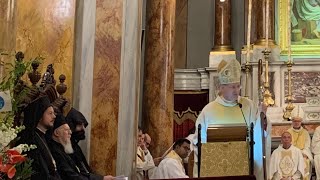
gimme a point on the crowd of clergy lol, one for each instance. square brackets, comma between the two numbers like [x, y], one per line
[297, 154]
[293, 159]
[58, 155]
[170, 165]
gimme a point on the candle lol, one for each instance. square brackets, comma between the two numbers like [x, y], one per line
[249, 31]
[289, 31]
[267, 24]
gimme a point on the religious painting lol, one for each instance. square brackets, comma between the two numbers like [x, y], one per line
[304, 84]
[305, 27]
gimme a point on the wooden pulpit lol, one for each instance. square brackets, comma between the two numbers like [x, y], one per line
[226, 152]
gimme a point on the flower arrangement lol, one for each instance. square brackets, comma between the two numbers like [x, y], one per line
[13, 163]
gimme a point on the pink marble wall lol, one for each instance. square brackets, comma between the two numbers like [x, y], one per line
[106, 81]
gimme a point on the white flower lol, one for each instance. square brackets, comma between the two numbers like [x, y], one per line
[7, 134]
[24, 147]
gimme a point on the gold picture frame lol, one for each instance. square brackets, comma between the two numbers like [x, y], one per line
[296, 48]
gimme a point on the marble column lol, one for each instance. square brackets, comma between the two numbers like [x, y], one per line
[159, 72]
[222, 33]
[83, 63]
[129, 97]
[259, 8]
[180, 43]
[106, 80]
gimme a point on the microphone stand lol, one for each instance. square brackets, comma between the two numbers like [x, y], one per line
[199, 149]
[251, 149]
[251, 141]
[263, 128]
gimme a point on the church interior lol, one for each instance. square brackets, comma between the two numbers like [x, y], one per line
[153, 64]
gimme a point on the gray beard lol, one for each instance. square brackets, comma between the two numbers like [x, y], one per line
[67, 147]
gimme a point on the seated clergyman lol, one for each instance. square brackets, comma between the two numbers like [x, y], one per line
[286, 161]
[301, 139]
[61, 148]
[172, 165]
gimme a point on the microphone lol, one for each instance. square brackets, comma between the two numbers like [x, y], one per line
[244, 118]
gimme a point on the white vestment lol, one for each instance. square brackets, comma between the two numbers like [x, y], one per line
[190, 138]
[145, 164]
[315, 148]
[171, 167]
[286, 163]
[301, 139]
[211, 114]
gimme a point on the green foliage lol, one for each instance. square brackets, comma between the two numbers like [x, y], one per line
[18, 91]
[24, 170]
[12, 82]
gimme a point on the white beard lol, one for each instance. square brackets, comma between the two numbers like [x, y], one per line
[67, 147]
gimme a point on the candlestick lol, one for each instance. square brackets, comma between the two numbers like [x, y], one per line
[249, 32]
[289, 31]
[267, 24]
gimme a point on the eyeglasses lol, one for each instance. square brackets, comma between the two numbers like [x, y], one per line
[148, 144]
[186, 148]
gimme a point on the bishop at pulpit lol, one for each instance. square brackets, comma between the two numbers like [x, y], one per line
[224, 130]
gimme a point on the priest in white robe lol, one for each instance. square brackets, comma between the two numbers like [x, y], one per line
[172, 165]
[286, 161]
[230, 108]
[144, 161]
[315, 147]
[301, 139]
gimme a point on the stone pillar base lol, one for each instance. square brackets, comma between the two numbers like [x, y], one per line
[215, 57]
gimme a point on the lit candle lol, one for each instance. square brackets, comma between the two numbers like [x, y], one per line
[267, 24]
[249, 31]
[289, 31]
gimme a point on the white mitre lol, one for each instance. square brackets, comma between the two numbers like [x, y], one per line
[229, 71]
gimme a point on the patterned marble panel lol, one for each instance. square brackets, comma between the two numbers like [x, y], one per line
[106, 79]
[304, 84]
[46, 28]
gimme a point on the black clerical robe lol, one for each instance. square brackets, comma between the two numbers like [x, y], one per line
[43, 163]
[66, 167]
[81, 162]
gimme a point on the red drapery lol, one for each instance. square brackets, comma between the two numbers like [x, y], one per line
[191, 102]
[182, 131]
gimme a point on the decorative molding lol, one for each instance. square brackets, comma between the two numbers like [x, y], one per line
[191, 79]
[313, 101]
[204, 78]
[311, 113]
[180, 117]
